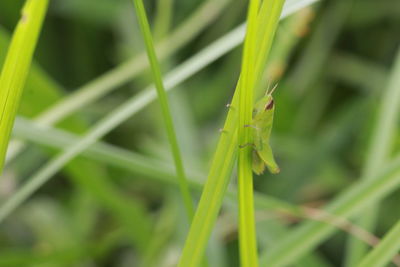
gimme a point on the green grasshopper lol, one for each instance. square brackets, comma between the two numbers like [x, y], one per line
[263, 117]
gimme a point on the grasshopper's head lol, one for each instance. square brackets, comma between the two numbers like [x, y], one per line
[269, 103]
[266, 104]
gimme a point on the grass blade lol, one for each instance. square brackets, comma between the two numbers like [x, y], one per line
[16, 67]
[385, 251]
[166, 111]
[247, 231]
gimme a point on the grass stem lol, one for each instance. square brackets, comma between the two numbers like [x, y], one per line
[247, 231]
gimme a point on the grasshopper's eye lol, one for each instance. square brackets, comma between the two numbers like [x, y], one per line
[270, 105]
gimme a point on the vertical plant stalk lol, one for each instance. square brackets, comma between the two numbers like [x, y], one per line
[16, 67]
[224, 157]
[378, 153]
[162, 96]
[385, 251]
[247, 232]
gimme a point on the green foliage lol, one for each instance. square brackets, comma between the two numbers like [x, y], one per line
[89, 177]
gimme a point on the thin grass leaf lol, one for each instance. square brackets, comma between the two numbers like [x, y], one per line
[16, 67]
[247, 231]
[166, 111]
[385, 251]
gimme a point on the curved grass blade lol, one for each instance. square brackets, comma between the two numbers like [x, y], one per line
[16, 67]
[385, 251]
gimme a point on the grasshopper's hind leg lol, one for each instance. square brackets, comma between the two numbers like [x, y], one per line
[258, 164]
[268, 158]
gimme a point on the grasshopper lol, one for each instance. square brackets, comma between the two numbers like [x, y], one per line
[263, 116]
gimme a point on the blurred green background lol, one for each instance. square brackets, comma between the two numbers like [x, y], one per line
[331, 60]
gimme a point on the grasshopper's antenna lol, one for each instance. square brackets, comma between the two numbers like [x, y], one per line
[273, 89]
[269, 86]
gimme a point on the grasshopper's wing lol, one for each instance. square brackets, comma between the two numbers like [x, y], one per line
[263, 154]
[258, 163]
[268, 158]
[263, 126]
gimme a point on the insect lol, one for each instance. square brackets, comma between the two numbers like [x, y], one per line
[263, 116]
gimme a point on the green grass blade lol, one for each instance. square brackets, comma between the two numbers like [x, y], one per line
[379, 151]
[166, 111]
[16, 67]
[247, 231]
[385, 251]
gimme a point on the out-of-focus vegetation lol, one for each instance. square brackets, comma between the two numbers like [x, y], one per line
[117, 203]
